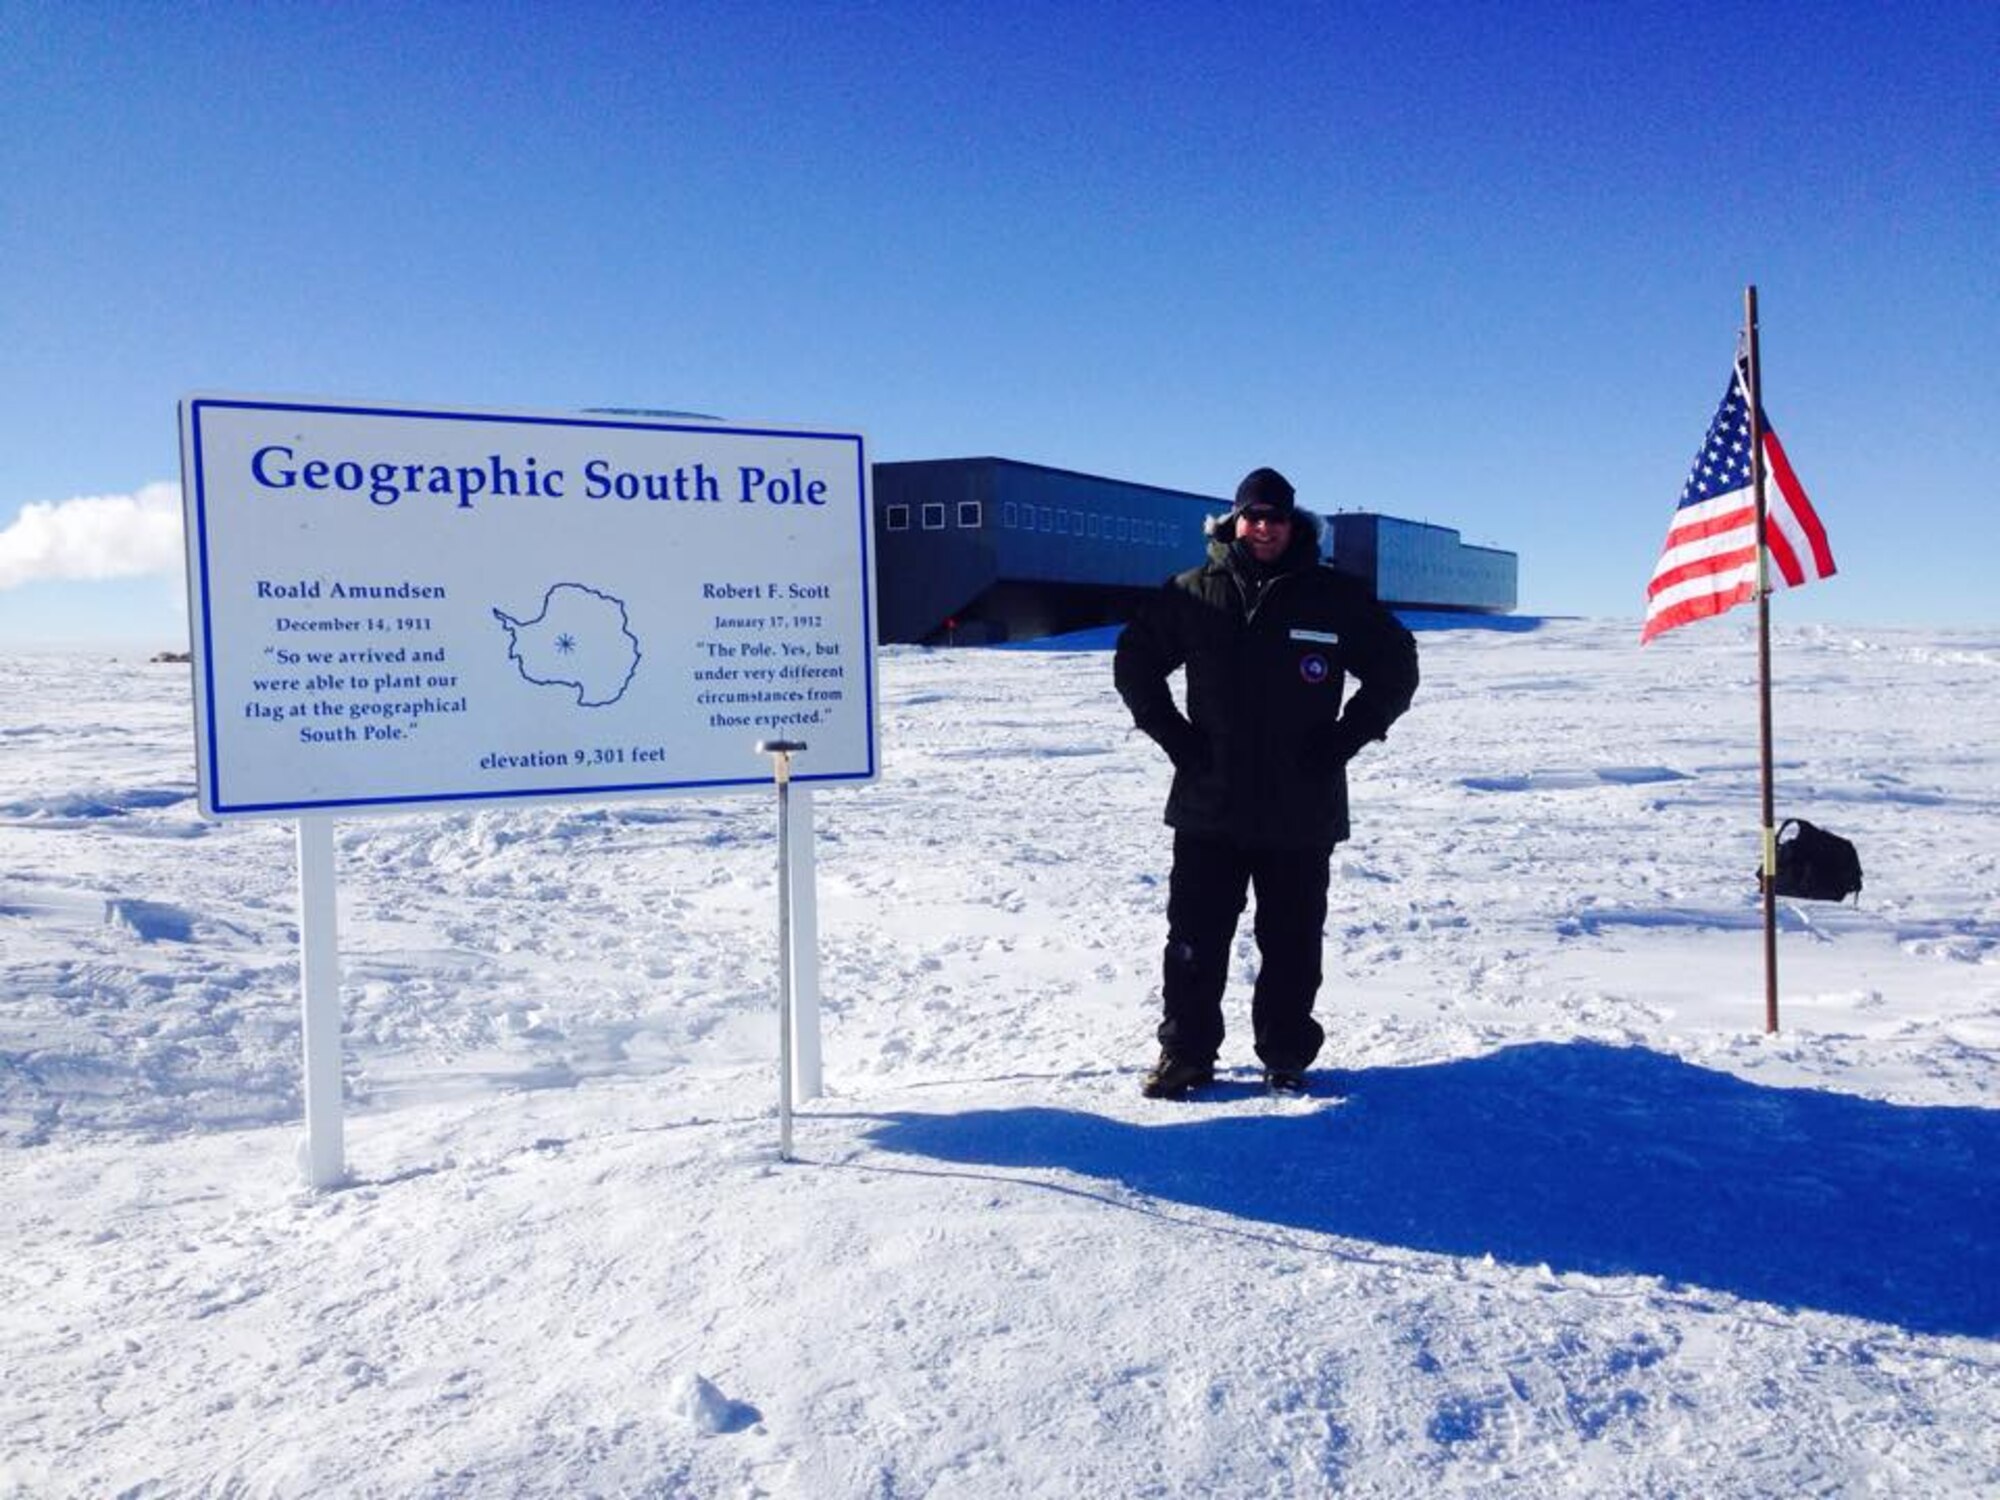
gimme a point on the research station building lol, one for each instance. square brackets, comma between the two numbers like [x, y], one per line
[978, 551]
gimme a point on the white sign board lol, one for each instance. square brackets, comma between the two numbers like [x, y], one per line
[404, 607]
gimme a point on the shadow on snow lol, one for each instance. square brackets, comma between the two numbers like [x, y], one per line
[1584, 1157]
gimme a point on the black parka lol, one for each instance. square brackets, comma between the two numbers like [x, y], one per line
[1260, 757]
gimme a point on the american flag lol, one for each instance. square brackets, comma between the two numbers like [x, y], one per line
[1709, 563]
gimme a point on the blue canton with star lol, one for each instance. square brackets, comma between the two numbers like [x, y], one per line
[1724, 462]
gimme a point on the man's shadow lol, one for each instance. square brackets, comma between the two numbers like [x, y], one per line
[1584, 1157]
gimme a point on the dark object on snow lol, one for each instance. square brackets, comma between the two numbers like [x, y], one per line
[1175, 1078]
[1815, 864]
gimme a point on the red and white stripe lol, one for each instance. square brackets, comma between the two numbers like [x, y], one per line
[1709, 563]
[1792, 529]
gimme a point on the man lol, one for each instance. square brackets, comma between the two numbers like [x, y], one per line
[1268, 636]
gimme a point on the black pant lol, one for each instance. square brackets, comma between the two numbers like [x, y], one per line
[1205, 896]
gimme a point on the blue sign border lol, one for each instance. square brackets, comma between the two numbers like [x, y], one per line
[197, 505]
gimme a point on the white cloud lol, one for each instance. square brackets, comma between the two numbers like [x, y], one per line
[94, 536]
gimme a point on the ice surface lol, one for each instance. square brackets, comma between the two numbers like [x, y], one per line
[1560, 1219]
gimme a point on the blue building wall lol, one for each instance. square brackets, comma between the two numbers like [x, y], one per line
[1421, 566]
[989, 549]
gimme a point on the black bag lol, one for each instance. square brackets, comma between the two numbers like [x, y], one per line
[1815, 864]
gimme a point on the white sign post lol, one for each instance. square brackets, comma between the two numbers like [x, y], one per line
[803, 949]
[323, 1159]
[400, 608]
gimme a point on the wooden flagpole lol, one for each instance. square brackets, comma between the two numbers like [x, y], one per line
[1753, 393]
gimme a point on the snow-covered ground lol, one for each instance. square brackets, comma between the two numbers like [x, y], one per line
[1559, 1219]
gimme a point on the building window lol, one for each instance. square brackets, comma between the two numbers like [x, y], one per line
[1010, 515]
[1096, 525]
[1048, 519]
[897, 518]
[1062, 523]
[1124, 529]
[968, 514]
[934, 516]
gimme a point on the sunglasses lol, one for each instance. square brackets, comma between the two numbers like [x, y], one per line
[1265, 518]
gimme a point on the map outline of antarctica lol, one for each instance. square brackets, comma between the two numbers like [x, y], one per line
[582, 639]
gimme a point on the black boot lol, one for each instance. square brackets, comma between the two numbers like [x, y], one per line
[1173, 1077]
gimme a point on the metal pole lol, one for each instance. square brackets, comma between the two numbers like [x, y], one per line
[781, 752]
[1754, 397]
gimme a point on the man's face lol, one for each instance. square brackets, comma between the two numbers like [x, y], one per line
[1267, 533]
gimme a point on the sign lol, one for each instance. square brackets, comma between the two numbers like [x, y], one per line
[395, 607]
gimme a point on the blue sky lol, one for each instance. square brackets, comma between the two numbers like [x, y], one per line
[1481, 266]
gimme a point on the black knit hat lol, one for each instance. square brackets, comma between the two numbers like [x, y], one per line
[1264, 489]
